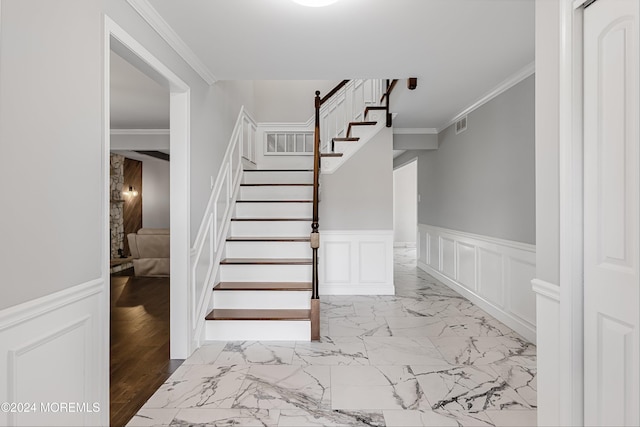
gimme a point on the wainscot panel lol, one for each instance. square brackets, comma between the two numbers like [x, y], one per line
[493, 273]
[356, 262]
[53, 353]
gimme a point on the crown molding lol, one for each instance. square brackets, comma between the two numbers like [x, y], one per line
[507, 84]
[139, 131]
[415, 131]
[157, 22]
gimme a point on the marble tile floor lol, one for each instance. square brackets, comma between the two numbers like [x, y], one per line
[424, 357]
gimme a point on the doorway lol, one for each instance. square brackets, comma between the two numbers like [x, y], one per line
[405, 204]
[118, 41]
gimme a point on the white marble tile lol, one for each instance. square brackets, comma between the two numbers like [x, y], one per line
[466, 388]
[256, 353]
[153, 417]
[339, 308]
[402, 351]
[522, 379]
[312, 417]
[513, 418]
[200, 386]
[226, 417]
[331, 352]
[486, 350]
[481, 326]
[374, 388]
[285, 387]
[394, 418]
[358, 327]
[207, 354]
[389, 306]
[426, 326]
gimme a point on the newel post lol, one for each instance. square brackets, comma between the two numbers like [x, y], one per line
[315, 235]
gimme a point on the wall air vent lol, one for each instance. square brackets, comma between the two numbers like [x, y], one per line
[461, 125]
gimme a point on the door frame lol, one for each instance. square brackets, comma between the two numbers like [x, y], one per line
[571, 145]
[179, 136]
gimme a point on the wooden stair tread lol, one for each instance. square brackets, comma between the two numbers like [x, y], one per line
[376, 108]
[330, 154]
[276, 185]
[263, 286]
[271, 219]
[274, 201]
[237, 314]
[279, 170]
[351, 139]
[267, 239]
[267, 261]
[365, 123]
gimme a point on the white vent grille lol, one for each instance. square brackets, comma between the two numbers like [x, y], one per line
[461, 125]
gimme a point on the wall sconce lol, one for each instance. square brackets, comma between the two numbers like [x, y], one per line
[132, 192]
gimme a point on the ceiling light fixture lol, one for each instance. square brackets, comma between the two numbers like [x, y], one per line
[315, 3]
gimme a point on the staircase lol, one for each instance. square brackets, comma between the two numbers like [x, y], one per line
[267, 285]
[264, 292]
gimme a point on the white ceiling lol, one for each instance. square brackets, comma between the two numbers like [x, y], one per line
[137, 102]
[458, 49]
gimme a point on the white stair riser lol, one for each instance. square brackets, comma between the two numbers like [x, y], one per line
[258, 330]
[268, 250]
[270, 228]
[276, 193]
[265, 177]
[264, 273]
[274, 210]
[262, 300]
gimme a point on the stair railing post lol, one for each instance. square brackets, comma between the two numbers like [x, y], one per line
[315, 235]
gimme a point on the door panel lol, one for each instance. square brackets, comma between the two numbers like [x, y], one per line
[611, 221]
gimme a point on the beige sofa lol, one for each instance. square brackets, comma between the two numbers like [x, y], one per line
[150, 251]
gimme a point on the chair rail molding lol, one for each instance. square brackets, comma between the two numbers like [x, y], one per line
[493, 273]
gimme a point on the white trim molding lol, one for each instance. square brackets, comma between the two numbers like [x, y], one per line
[507, 84]
[168, 34]
[493, 273]
[356, 262]
[415, 131]
[549, 353]
[59, 337]
[136, 132]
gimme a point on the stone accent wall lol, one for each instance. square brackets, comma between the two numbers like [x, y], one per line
[117, 204]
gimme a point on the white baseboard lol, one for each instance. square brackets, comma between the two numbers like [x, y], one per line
[53, 350]
[356, 262]
[493, 273]
[404, 244]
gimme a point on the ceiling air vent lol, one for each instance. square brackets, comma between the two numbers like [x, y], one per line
[461, 125]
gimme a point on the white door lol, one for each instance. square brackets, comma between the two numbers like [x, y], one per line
[611, 222]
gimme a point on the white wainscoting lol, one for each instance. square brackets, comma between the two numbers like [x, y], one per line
[493, 273]
[550, 375]
[356, 262]
[209, 244]
[53, 350]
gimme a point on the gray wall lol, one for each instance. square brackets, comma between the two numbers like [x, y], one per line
[359, 195]
[481, 181]
[415, 142]
[288, 101]
[51, 81]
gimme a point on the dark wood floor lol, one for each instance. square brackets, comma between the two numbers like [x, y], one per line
[139, 342]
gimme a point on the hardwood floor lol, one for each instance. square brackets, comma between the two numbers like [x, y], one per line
[139, 342]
